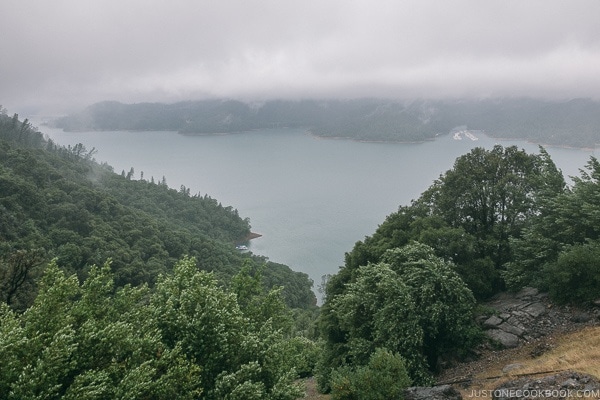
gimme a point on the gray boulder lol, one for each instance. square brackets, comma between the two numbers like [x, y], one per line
[527, 292]
[492, 322]
[443, 392]
[511, 367]
[557, 386]
[506, 327]
[506, 339]
[535, 309]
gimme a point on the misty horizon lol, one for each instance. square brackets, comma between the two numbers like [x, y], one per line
[61, 56]
[257, 103]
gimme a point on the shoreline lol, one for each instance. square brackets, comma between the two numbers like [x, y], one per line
[543, 144]
[243, 243]
[318, 136]
[250, 236]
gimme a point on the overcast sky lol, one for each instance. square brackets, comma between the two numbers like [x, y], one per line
[61, 55]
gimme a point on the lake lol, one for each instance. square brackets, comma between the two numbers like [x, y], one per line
[310, 198]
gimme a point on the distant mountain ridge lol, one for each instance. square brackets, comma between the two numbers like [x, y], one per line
[570, 123]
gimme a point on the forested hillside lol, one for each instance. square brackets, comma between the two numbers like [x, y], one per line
[115, 288]
[500, 219]
[573, 123]
[146, 296]
[58, 203]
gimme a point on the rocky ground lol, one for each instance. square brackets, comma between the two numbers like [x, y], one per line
[561, 385]
[528, 315]
[521, 326]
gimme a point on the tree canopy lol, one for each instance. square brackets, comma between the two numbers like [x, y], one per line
[471, 214]
[500, 218]
[558, 250]
[58, 203]
[175, 311]
[411, 303]
[188, 338]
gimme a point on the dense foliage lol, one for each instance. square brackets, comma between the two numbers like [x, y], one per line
[153, 322]
[177, 312]
[383, 378]
[572, 122]
[58, 203]
[471, 214]
[412, 303]
[500, 218]
[188, 338]
[559, 250]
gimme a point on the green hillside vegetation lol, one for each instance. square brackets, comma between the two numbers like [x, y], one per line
[114, 287]
[117, 288]
[188, 338]
[572, 123]
[58, 203]
[499, 219]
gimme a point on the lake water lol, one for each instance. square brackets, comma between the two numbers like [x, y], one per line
[310, 198]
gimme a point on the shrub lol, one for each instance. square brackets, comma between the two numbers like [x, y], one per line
[575, 276]
[383, 378]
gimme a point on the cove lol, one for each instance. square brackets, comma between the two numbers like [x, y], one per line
[311, 199]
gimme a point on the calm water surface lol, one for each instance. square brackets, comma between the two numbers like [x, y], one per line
[310, 198]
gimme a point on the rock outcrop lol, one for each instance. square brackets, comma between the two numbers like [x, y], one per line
[515, 319]
[527, 315]
[559, 386]
[443, 392]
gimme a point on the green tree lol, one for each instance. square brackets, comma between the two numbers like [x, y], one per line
[18, 272]
[575, 276]
[239, 359]
[187, 339]
[471, 215]
[383, 378]
[258, 304]
[412, 303]
[444, 302]
[86, 341]
[566, 226]
[377, 310]
[491, 195]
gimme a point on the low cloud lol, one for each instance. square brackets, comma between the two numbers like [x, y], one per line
[65, 54]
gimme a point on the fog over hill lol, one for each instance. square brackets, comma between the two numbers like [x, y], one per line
[60, 55]
[571, 123]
